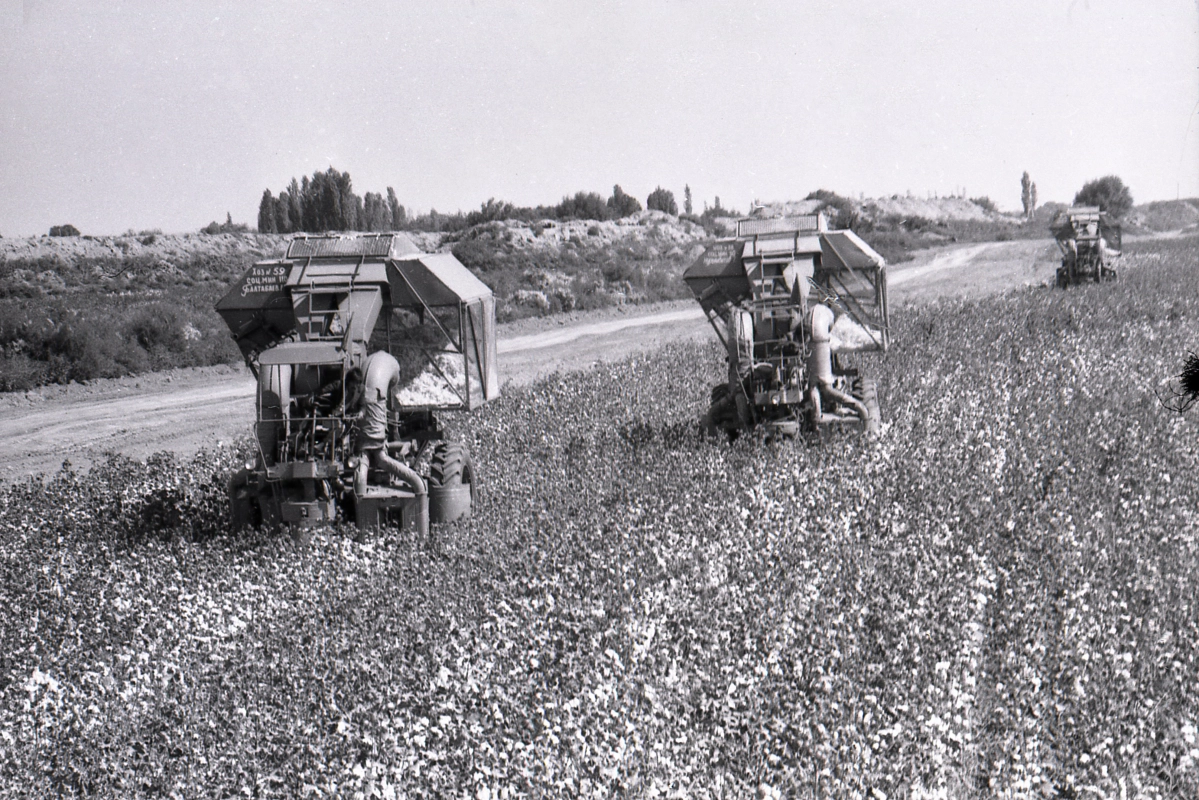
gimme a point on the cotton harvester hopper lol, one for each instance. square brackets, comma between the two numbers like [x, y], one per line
[357, 341]
[787, 298]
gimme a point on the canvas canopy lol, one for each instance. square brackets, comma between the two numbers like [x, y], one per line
[851, 270]
[846, 250]
[432, 279]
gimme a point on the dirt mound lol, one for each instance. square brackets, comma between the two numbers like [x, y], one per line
[549, 266]
[876, 209]
[793, 208]
[658, 231]
[1164, 215]
[163, 247]
[937, 209]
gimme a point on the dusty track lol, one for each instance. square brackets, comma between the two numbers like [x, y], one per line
[187, 410]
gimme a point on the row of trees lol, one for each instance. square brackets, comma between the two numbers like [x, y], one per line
[327, 202]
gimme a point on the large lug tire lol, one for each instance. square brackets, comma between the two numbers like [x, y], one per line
[452, 485]
[722, 411]
[245, 509]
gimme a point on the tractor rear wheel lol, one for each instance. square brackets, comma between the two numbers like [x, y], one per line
[244, 506]
[451, 482]
[722, 411]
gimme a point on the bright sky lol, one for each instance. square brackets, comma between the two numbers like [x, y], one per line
[118, 115]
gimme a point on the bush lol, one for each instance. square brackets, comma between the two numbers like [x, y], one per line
[64, 230]
[716, 220]
[82, 350]
[19, 372]
[228, 226]
[622, 205]
[584, 205]
[662, 200]
[491, 211]
[985, 203]
[157, 328]
[1108, 192]
[845, 215]
[621, 271]
[79, 319]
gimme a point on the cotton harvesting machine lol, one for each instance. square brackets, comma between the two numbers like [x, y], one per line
[789, 298]
[1089, 242]
[357, 341]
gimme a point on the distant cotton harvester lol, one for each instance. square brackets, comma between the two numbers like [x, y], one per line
[1090, 242]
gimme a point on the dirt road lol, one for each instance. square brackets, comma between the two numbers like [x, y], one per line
[974, 270]
[186, 410]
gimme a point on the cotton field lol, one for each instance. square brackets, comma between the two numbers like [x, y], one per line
[994, 598]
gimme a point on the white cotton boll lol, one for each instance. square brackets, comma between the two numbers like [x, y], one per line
[847, 334]
[430, 388]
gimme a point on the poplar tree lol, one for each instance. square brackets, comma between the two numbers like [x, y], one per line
[283, 213]
[295, 211]
[398, 215]
[1026, 195]
[266, 213]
